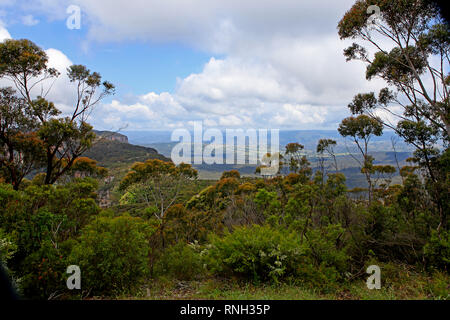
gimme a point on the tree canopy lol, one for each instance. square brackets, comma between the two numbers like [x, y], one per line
[33, 134]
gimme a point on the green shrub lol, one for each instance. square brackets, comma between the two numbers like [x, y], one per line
[267, 202]
[7, 250]
[437, 250]
[7, 247]
[112, 254]
[265, 253]
[44, 273]
[41, 220]
[439, 286]
[181, 262]
[326, 247]
[189, 225]
[260, 253]
[327, 262]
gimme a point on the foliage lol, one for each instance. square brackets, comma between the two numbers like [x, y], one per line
[41, 220]
[159, 182]
[112, 254]
[411, 40]
[7, 248]
[33, 135]
[437, 250]
[182, 225]
[259, 253]
[180, 261]
[263, 253]
[44, 272]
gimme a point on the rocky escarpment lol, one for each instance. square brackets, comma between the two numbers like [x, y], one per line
[111, 136]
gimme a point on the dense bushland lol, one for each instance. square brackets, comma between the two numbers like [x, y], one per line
[299, 228]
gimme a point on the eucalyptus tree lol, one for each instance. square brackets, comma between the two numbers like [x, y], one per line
[33, 133]
[406, 43]
[362, 128]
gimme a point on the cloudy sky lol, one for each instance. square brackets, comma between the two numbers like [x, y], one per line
[250, 64]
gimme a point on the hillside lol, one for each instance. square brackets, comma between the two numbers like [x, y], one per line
[113, 153]
[112, 150]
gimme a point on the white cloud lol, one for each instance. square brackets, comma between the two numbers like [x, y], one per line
[281, 62]
[62, 91]
[4, 34]
[230, 121]
[210, 122]
[149, 111]
[251, 91]
[29, 20]
[300, 114]
[58, 60]
[207, 24]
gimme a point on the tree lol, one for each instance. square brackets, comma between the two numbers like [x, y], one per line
[383, 176]
[113, 253]
[297, 162]
[20, 147]
[417, 33]
[293, 155]
[61, 139]
[231, 174]
[157, 183]
[412, 44]
[362, 128]
[327, 145]
[84, 167]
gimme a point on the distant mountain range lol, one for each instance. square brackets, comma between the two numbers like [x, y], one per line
[308, 138]
[118, 151]
[121, 150]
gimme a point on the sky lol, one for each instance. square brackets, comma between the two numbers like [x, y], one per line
[227, 63]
